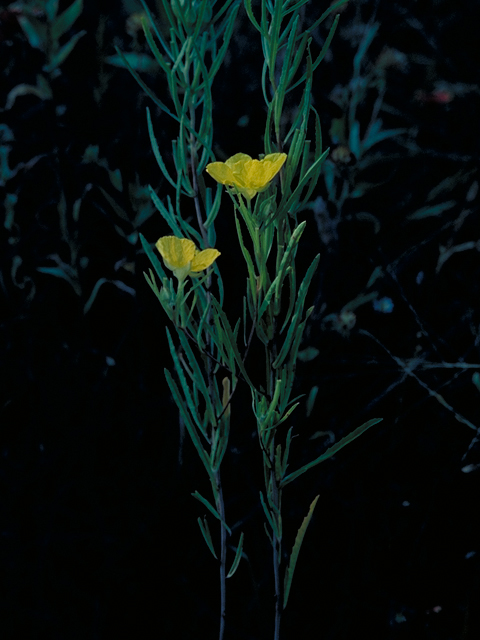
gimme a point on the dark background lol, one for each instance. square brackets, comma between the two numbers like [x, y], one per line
[98, 531]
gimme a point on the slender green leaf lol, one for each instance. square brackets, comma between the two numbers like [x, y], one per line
[183, 382]
[322, 53]
[175, 27]
[447, 184]
[150, 278]
[325, 47]
[56, 60]
[116, 207]
[273, 34]
[206, 535]
[312, 174]
[226, 40]
[93, 295]
[212, 510]
[231, 341]
[384, 134]
[248, 8]
[292, 286]
[238, 556]
[295, 551]
[268, 515]
[285, 417]
[197, 374]
[354, 139]
[287, 451]
[328, 41]
[66, 20]
[157, 265]
[265, 419]
[189, 424]
[432, 210]
[167, 214]
[34, 30]
[332, 450]
[165, 66]
[59, 272]
[292, 70]
[222, 446]
[157, 31]
[311, 400]
[370, 33]
[287, 71]
[302, 292]
[51, 9]
[147, 90]
[156, 150]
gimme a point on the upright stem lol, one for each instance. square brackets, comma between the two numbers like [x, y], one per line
[219, 492]
[277, 540]
[277, 550]
[223, 555]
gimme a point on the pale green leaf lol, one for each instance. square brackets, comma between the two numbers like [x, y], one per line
[66, 20]
[238, 556]
[332, 450]
[295, 551]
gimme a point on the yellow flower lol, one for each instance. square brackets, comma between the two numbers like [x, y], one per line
[248, 175]
[182, 256]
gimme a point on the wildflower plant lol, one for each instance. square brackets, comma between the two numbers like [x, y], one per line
[44, 27]
[210, 358]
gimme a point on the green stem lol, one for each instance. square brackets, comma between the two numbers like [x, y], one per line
[277, 550]
[223, 555]
[277, 540]
[219, 500]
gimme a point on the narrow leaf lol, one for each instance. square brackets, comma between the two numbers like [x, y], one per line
[189, 424]
[183, 382]
[377, 137]
[64, 52]
[197, 373]
[354, 139]
[156, 150]
[156, 264]
[332, 451]
[66, 19]
[238, 556]
[51, 9]
[231, 340]
[295, 551]
[432, 210]
[147, 90]
[212, 509]
[34, 30]
[268, 515]
[206, 535]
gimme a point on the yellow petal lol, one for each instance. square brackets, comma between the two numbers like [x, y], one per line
[255, 174]
[275, 160]
[220, 172]
[176, 252]
[275, 157]
[248, 175]
[204, 259]
[270, 166]
[237, 162]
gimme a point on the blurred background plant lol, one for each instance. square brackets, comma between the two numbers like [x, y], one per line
[396, 328]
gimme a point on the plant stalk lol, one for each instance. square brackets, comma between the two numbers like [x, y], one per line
[223, 555]
[277, 551]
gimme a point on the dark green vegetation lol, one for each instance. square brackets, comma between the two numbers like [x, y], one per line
[98, 526]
